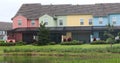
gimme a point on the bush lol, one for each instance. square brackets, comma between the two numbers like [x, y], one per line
[64, 40]
[117, 41]
[2, 41]
[114, 49]
[69, 39]
[110, 40]
[98, 42]
[74, 42]
[19, 43]
[6, 44]
[51, 43]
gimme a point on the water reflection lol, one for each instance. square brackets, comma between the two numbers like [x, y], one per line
[60, 59]
[26, 59]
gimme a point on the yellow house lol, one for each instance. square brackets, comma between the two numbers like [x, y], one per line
[79, 20]
[76, 21]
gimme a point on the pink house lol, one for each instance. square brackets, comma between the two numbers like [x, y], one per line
[23, 29]
[21, 21]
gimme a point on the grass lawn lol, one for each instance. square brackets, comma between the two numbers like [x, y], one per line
[61, 48]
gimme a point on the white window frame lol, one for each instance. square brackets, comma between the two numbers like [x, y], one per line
[60, 22]
[90, 21]
[81, 21]
[32, 22]
[19, 22]
[100, 20]
[114, 19]
[1, 32]
[46, 21]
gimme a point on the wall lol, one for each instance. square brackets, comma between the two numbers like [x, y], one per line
[18, 36]
[117, 19]
[64, 18]
[51, 22]
[15, 21]
[96, 21]
[36, 23]
[74, 20]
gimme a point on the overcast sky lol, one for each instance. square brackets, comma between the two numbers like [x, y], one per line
[8, 8]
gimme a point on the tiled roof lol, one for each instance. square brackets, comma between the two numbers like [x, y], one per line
[5, 26]
[34, 11]
[106, 8]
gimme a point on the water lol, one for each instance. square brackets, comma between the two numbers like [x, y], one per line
[34, 59]
[57, 59]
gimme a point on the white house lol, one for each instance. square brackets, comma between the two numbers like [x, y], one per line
[4, 26]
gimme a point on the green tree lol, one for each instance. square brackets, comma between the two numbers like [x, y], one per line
[43, 35]
[109, 34]
[118, 39]
[119, 34]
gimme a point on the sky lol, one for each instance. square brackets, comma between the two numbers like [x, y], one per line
[8, 8]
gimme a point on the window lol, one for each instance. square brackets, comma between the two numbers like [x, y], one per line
[81, 21]
[114, 19]
[1, 32]
[19, 22]
[60, 22]
[46, 21]
[100, 20]
[90, 21]
[33, 22]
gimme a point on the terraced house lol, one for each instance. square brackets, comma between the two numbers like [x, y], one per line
[79, 22]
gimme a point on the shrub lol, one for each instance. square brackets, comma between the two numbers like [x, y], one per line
[69, 39]
[114, 49]
[6, 44]
[20, 43]
[117, 41]
[98, 42]
[2, 41]
[64, 40]
[74, 42]
[94, 39]
[110, 40]
[51, 43]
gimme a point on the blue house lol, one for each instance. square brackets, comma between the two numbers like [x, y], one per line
[114, 19]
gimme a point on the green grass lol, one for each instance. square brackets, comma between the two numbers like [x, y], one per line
[63, 48]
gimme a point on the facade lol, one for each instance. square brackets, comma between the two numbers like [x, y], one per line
[53, 21]
[21, 22]
[50, 22]
[4, 26]
[79, 22]
[114, 19]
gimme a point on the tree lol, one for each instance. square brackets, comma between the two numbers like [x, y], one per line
[118, 38]
[43, 35]
[109, 34]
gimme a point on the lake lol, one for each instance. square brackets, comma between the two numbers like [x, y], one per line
[59, 59]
